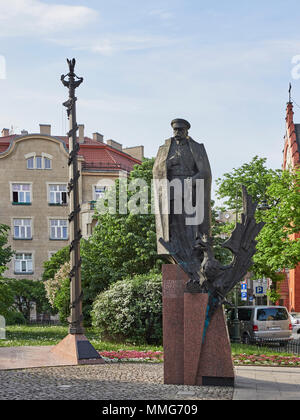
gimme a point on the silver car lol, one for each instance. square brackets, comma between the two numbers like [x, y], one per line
[262, 324]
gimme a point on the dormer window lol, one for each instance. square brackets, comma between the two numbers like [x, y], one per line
[39, 162]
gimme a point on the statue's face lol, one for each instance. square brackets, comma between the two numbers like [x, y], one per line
[180, 133]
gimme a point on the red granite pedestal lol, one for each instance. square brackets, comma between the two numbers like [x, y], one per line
[174, 281]
[207, 361]
[188, 359]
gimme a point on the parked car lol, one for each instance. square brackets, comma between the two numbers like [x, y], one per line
[295, 319]
[262, 323]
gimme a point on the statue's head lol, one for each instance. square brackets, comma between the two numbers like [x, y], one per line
[181, 129]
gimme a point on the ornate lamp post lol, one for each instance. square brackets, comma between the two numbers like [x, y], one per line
[76, 319]
[75, 347]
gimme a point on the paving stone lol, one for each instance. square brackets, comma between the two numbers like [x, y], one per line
[124, 381]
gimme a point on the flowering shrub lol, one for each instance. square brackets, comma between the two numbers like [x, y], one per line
[131, 310]
[58, 291]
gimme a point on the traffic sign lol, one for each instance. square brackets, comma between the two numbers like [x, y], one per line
[244, 296]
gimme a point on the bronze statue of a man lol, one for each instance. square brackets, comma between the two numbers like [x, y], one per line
[184, 164]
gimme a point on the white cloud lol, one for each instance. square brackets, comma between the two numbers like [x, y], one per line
[161, 14]
[35, 17]
[111, 44]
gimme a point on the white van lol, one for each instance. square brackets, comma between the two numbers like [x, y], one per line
[262, 323]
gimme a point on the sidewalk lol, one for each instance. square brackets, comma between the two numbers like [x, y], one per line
[29, 357]
[129, 381]
[267, 383]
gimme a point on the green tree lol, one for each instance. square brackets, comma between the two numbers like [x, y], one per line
[255, 176]
[276, 250]
[6, 252]
[28, 293]
[6, 298]
[52, 266]
[122, 245]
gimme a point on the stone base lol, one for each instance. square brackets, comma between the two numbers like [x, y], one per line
[174, 281]
[207, 362]
[76, 349]
[188, 360]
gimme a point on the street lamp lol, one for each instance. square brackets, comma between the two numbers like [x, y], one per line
[236, 322]
[75, 347]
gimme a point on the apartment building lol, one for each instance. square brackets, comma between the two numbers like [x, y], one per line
[34, 176]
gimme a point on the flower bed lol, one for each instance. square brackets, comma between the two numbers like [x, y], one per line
[133, 356]
[239, 360]
[263, 360]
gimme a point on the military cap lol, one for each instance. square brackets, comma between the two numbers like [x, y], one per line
[179, 123]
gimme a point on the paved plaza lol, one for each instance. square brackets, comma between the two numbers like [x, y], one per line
[117, 381]
[22, 377]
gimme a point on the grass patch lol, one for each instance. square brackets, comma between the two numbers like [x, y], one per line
[51, 335]
[249, 350]
[31, 335]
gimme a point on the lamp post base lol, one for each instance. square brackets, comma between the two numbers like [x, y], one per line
[76, 349]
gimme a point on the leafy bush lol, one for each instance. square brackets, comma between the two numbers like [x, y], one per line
[15, 318]
[131, 310]
[6, 298]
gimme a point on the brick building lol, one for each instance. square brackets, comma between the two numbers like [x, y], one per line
[34, 177]
[290, 288]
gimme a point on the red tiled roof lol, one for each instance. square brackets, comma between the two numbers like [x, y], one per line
[97, 155]
[4, 147]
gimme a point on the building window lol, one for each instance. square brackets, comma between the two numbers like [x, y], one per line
[30, 163]
[47, 163]
[59, 230]
[22, 229]
[99, 192]
[58, 195]
[38, 162]
[23, 263]
[21, 193]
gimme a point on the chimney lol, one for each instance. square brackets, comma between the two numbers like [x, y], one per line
[81, 133]
[45, 129]
[115, 145]
[5, 132]
[24, 132]
[135, 152]
[98, 137]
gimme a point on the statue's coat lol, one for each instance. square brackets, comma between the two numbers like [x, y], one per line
[160, 172]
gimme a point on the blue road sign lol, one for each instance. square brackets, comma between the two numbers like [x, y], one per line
[260, 290]
[244, 295]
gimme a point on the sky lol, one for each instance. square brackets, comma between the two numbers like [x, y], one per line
[223, 66]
